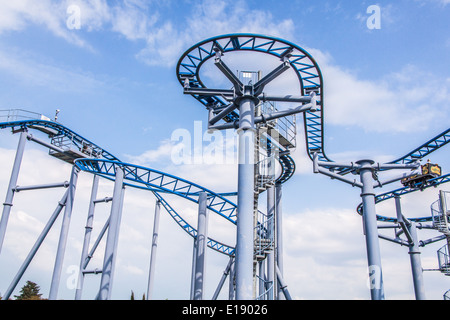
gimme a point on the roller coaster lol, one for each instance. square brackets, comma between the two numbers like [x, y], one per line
[267, 132]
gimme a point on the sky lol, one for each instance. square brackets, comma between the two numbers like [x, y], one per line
[110, 68]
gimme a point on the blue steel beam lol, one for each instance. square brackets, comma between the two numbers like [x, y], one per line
[159, 182]
[426, 149]
[182, 223]
[154, 179]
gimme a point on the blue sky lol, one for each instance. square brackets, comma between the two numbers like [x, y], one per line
[387, 91]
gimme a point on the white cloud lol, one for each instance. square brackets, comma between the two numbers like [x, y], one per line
[394, 103]
[166, 43]
[30, 71]
[17, 15]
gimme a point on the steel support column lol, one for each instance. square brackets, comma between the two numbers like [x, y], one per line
[271, 272]
[202, 239]
[410, 231]
[112, 238]
[246, 181]
[194, 260]
[151, 273]
[56, 278]
[87, 237]
[371, 230]
[12, 184]
[279, 234]
[416, 264]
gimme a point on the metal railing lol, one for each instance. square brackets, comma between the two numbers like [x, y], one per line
[20, 114]
[286, 127]
[444, 261]
[265, 171]
[439, 217]
[66, 142]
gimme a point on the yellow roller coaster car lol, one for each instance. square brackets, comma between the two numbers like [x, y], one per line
[429, 171]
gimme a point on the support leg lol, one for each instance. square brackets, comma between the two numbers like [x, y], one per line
[371, 230]
[271, 255]
[87, 237]
[112, 238]
[151, 275]
[63, 235]
[279, 233]
[12, 184]
[201, 246]
[246, 176]
[416, 264]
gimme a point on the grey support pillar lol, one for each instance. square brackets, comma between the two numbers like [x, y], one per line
[245, 200]
[410, 231]
[416, 264]
[112, 238]
[271, 272]
[371, 230]
[279, 233]
[56, 278]
[87, 237]
[262, 280]
[202, 239]
[151, 275]
[12, 184]
[194, 260]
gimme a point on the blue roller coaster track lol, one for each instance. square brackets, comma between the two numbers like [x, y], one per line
[139, 177]
[310, 78]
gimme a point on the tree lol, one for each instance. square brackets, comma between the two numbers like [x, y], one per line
[30, 291]
[132, 296]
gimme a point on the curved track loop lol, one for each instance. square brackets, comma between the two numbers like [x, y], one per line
[311, 80]
[302, 63]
